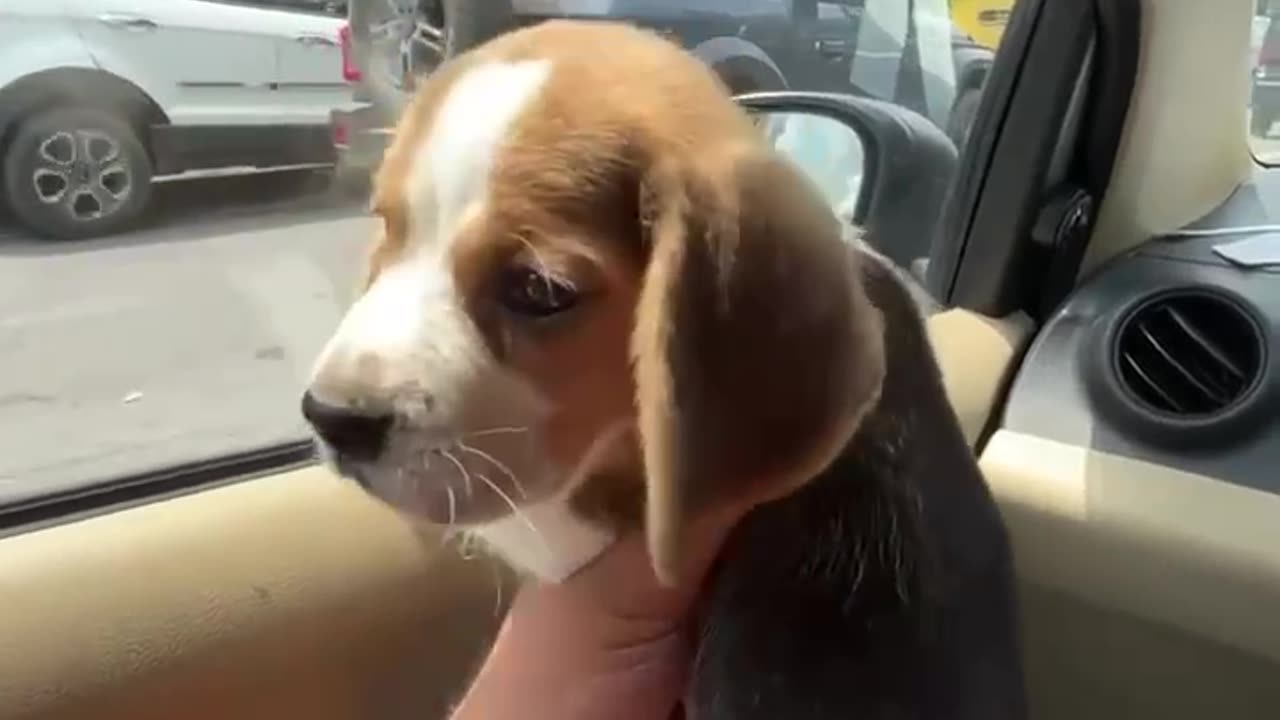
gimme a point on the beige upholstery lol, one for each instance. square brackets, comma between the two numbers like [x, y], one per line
[292, 596]
[1148, 592]
[1185, 146]
[976, 354]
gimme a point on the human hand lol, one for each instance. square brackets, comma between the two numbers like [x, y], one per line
[609, 642]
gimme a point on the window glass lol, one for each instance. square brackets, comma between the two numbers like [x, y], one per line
[184, 220]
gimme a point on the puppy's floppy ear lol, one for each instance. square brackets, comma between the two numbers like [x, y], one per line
[756, 350]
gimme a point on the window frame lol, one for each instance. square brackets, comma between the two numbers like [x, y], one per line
[134, 489]
[984, 256]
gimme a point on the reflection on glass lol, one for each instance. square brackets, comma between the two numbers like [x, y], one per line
[828, 151]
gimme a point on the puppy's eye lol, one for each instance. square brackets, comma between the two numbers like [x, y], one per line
[526, 291]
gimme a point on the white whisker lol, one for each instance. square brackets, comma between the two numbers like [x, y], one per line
[515, 509]
[497, 431]
[549, 276]
[453, 506]
[494, 461]
[399, 483]
[497, 587]
[540, 263]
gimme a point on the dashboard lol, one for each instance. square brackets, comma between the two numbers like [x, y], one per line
[1168, 354]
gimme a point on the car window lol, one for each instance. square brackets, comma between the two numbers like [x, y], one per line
[185, 183]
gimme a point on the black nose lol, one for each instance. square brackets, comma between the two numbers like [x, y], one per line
[352, 434]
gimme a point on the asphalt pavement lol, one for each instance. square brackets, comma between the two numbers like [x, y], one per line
[187, 339]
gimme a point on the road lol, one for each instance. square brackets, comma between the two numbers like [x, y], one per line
[185, 340]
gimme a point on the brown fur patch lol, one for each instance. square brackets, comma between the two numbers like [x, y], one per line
[757, 350]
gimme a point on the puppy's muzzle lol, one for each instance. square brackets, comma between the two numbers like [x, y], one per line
[351, 434]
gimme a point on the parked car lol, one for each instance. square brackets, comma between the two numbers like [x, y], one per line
[99, 98]
[842, 46]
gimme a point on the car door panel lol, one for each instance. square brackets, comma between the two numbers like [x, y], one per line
[293, 595]
[308, 59]
[1137, 577]
[977, 356]
[286, 596]
[824, 44]
[205, 62]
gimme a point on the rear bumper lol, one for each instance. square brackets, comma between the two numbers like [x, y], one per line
[359, 139]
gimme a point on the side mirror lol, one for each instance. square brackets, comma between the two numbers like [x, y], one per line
[881, 166]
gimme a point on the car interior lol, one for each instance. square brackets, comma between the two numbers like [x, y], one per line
[1113, 367]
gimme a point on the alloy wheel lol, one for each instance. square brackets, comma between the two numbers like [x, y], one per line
[84, 172]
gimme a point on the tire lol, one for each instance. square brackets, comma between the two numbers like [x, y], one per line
[963, 113]
[61, 193]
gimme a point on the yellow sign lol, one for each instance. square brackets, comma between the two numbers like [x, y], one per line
[984, 20]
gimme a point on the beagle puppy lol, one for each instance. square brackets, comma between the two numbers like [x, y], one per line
[599, 301]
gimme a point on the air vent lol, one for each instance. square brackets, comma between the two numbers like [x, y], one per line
[1190, 354]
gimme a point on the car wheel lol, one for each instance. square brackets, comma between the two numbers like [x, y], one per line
[401, 40]
[963, 113]
[74, 173]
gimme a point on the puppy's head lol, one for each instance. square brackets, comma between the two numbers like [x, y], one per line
[597, 299]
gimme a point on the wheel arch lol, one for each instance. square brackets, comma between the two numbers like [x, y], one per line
[742, 65]
[77, 86]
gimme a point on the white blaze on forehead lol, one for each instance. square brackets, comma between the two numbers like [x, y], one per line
[409, 335]
[410, 329]
[449, 177]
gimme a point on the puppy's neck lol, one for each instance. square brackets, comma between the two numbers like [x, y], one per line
[553, 538]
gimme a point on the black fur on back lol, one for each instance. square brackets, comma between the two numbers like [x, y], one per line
[884, 588]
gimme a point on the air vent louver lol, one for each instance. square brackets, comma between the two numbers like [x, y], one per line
[1189, 354]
